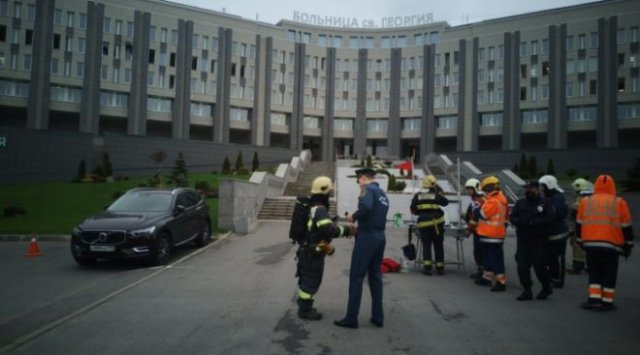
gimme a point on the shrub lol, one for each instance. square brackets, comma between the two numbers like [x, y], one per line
[116, 195]
[82, 170]
[13, 211]
[158, 157]
[242, 171]
[400, 186]
[571, 172]
[392, 183]
[205, 189]
[226, 166]
[98, 171]
[632, 181]
[106, 165]
[533, 167]
[551, 169]
[255, 163]
[179, 175]
[153, 181]
[369, 163]
[239, 162]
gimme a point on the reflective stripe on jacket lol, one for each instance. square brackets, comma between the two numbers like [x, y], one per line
[493, 213]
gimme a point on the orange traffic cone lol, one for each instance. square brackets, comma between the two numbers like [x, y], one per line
[34, 249]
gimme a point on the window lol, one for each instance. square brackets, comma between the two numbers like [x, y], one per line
[113, 99]
[56, 41]
[27, 62]
[104, 72]
[491, 119]
[447, 122]
[544, 94]
[523, 93]
[628, 110]
[57, 17]
[569, 89]
[70, 18]
[31, 12]
[28, 38]
[480, 54]
[4, 7]
[620, 58]
[152, 33]
[377, 125]
[593, 87]
[569, 43]
[67, 68]
[151, 79]
[152, 56]
[534, 47]
[582, 113]
[14, 88]
[545, 46]
[200, 109]
[571, 68]
[174, 37]
[106, 25]
[523, 49]
[545, 68]
[127, 75]
[593, 64]
[621, 85]
[593, 42]
[105, 49]
[164, 33]
[412, 124]
[501, 51]
[17, 9]
[492, 53]
[582, 41]
[534, 116]
[633, 34]
[3, 33]
[66, 94]
[158, 104]
[130, 29]
[118, 29]
[238, 114]
[620, 36]
[80, 69]
[83, 21]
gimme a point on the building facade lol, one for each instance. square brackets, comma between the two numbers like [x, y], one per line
[559, 79]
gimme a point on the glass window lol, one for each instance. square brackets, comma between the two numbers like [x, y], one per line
[545, 46]
[447, 122]
[593, 43]
[83, 21]
[106, 25]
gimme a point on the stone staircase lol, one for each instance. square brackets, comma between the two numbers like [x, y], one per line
[282, 208]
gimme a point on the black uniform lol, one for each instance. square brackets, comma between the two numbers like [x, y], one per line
[558, 233]
[431, 226]
[531, 216]
[310, 258]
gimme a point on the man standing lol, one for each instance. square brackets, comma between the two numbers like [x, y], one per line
[426, 204]
[604, 229]
[581, 189]
[315, 245]
[557, 228]
[368, 251]
[492, 229]
[530, 216]
[472, 187]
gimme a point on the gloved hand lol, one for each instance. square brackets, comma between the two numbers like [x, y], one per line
[626, 250]
[349, 230]
[325, 247]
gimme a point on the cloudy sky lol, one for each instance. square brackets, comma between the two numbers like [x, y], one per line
[453, 11]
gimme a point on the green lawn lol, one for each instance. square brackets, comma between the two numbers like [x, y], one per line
[56, 207]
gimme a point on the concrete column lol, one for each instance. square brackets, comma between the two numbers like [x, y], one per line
[360, 122]
[39, 87]
[607, 122]
[394, 124]
[297, 113]
[257, 117]
[221, 118]
[181, 112]
[428, 126]
[471, 118]
[137, 120]
[512, 120]
[328, 153]
[557, 124]
[90, 105]
[268, 63]
[463, 131]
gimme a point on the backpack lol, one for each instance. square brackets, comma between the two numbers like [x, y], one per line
[299, 218]
[389, 265]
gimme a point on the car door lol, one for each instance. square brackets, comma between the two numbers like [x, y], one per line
[183, 221]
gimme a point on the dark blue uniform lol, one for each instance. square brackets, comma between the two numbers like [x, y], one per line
[368, 252]
[558, 232]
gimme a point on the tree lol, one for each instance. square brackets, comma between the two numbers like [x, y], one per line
[158, 157]
[533, 167]
[226, 166]
[516, 168]
[179, 175]
[106, 165]
[551, 169]
[632, 183]
[255, 163]
[369, 163]
[523, 171]
[239, 162]
[82, 169]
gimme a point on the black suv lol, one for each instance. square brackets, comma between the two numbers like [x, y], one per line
[143, 223]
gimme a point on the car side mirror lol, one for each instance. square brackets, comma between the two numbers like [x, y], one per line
[179, 209]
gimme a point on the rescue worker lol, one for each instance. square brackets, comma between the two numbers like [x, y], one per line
[472, 188]
[530, 216]
[557, 228]
[426, 205]
[604, 229]
[492, 219]
[581, 188]
[368, 250]
[317, 244]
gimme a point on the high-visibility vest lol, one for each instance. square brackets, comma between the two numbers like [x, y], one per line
[602, 217]
[492, 225]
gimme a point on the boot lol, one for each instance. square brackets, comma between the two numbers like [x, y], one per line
[499, 287]
[526, 295]
[544, 293]
[306, 310]
[476, 275]
[427, 271]
[591, 304]
[606, 306]
[482, 282]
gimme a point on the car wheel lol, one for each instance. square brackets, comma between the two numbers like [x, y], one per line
[163, 249]
[205, 235]
[84, 261]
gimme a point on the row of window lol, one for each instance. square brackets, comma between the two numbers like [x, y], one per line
[357, 42]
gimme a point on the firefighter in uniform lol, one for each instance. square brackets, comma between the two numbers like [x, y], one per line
[368, 250]
[530, 216]
[557, 228]
[317, 244]
[426, 204]
[472, 187]
[581, 188]
[492, 219]
[604, 229]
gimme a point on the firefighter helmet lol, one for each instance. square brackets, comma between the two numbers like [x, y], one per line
[550, 182]
[581, 185]
[321, 186]
[473, 184]
[429, 181]
[489, 180]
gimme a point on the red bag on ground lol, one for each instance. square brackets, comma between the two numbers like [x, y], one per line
[389, 265]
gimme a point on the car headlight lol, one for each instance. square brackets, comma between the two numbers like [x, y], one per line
[76, 232]
[144, 232]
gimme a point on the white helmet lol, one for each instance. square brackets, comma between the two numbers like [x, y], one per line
[550, 182]
[473, 184]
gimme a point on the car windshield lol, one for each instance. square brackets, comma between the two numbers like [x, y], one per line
[142, 201]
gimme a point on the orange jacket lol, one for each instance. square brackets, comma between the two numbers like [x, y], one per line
[602, 217]
[493, 217]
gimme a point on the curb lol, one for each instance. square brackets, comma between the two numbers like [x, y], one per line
[61, 237]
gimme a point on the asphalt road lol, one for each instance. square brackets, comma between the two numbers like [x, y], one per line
[238, 297]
